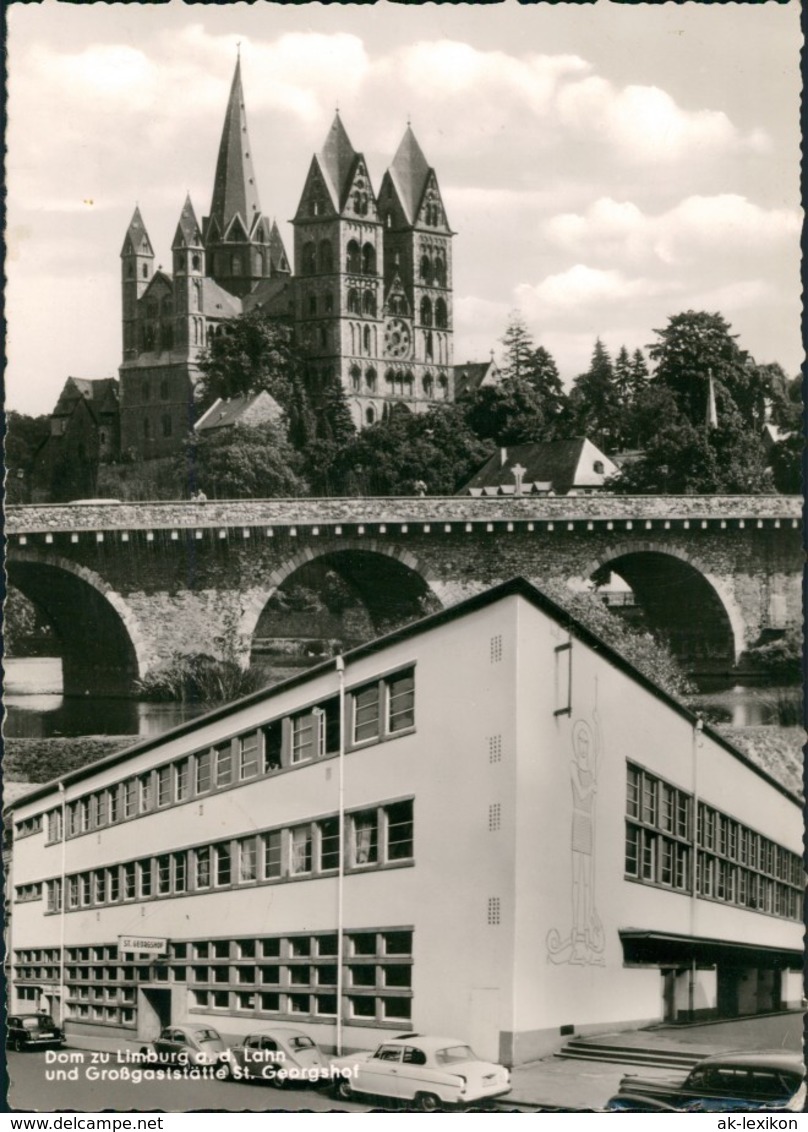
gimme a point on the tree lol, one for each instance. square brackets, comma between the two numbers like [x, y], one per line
[594, 405]
[519, 348]
[251, 353]
[395, 455]
[510, 412]
[24, 437]
[696, 349]
[243, 463]
[526, 364]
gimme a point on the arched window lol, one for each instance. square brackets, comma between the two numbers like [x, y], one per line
[259, 263]
[326, 256]
[145, 271]
[309, 258]
[130, 270]
[166, 423]
[360, 203]
[440, 314]
[197, 294]
[329, 304]
[235, 265]
[429, 350]
[356, 378]
[177, 263]
[353, 301]
[390, 378]
[426, 269]
[167, 307]
[369, 303]
[370, 415]
[368, 260]
[426, 311]
[370, 379]
[366, 339]
[440, 271]
[167, 335]
[443, 385]
[312, 304]
[353, 257]
[196, 262]
[429, 385]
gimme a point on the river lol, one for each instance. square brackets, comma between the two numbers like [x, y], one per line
[36, 708]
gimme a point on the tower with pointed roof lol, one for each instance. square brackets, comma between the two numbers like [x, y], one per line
[234, 260]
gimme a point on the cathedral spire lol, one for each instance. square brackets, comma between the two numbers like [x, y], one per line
[136, 241]
[337, 158]
[410, 171]
[188, 234]
[234, 190]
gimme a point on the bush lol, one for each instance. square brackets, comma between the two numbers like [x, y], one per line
[780, 660]
[197, 678]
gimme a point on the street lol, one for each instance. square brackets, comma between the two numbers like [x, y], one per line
[31, 1089]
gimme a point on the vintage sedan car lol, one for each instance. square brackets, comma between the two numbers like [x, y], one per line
[280, 1056]
[32, 1031]
[431, 1073]
[732, 1082]
[187, 1045]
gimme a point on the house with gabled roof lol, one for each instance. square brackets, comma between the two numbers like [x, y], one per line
[543, 467]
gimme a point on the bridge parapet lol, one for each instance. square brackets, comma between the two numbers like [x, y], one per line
[649, 511]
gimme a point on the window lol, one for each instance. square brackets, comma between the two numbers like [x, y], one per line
[223, 863]
[181, 779]
[366, 714]
[401, 702]
[202, 867]
[145, 792]
[129, 798]
[300, 851]
[179, 863]
[248, 756]
[399, 830]
[55, 825]
[163, 785]
[272, 854]
[273, 741]
[129, 890]
[304, 736]
[224, 764]
[329, 844]
[144, 870]
[247, 860]
[203, 772]
[656, 850]
[114, 796]
[114, 884]
[365, 838]
[163, 875]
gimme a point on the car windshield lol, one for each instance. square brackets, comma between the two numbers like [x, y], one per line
[41, 1023]
[206, 1036]
[301, 1043]
[453, 1054]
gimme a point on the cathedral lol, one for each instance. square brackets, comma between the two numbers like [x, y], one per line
[368, 293]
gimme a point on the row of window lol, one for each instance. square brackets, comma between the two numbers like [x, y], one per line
[374, 838]
[375, 712]
[299, 981]
[26, 892]
[733, 862]
[28, 826]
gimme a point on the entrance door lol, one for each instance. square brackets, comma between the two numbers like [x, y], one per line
[153, 1011]
[668, 995]
[727, 991]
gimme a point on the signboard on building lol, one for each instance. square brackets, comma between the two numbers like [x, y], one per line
[134, 944]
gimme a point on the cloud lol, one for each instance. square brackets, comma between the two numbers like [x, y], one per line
[578, 285]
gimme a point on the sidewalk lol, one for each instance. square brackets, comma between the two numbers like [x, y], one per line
[590, 1084]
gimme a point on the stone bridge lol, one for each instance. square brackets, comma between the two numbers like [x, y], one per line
[126, 585]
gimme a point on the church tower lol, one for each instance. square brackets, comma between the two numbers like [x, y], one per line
[189, 271]
[339, 257]
[238, 238]
[137, 268]
[417, 278]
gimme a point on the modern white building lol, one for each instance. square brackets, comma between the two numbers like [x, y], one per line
[486, 824]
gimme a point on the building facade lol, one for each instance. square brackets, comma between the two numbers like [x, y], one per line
[370, 299]
[486, 824]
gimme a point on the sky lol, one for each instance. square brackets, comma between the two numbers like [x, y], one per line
[604, 166]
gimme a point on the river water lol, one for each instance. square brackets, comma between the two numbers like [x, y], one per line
[36, 708]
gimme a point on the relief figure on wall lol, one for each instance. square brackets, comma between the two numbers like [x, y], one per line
[584, 945]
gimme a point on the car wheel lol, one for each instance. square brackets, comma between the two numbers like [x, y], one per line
[427, 1102]
[17, 1045]
[344, 1090]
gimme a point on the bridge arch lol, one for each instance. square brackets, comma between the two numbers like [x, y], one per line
[104, 649]
[388, 581]
[682, 601]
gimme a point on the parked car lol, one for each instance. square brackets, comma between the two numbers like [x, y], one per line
[430, 1072]
[32, 1031]
[733, 1082]
[188, 1045]
[280, 1057]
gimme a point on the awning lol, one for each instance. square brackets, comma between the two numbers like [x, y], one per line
[668, 948]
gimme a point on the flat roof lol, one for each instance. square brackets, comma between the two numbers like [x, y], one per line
[515, 587]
